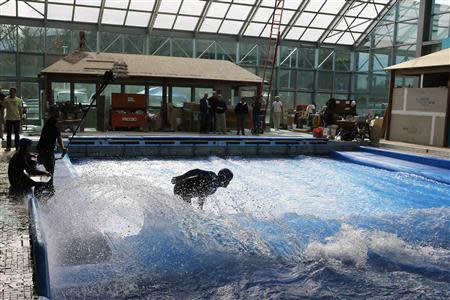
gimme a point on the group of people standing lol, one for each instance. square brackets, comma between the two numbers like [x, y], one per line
[213, 114]
[22, 164]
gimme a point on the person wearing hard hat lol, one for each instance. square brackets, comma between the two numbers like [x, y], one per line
[200, 184]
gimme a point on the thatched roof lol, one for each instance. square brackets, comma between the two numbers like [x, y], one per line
[91, 63]
[432, 63]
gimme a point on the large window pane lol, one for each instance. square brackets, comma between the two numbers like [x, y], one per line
[407, 32]
[287, 78]
[379, 85]
[182, 47]
[384, 35]
[226, 51]
[342, 62]
[288, 57]
[5, 86]
[83, 93]
[7, 64]
[134, 44]
[109, 90]
[31, 64]
[155, 96]
[440, 6]
[8, 34]
[111, 42]
[30, 96]
[205, 49]
[31, 39]
[326, 59]
[341, 82]
[362, 82]
[247, 53]
[439, 27]
[200, 91]
[321, 99]
[305, 80]
[135, 89]
[180, 95]
[61, 41]
[61, 91]
[287, 98]
[325, 81]
[306, 58]
[405, 53]
[381, 59]
[362, 61]
[304, 98]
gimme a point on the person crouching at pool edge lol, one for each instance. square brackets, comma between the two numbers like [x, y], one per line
[21, 162]
[200, 184]
[50, 135]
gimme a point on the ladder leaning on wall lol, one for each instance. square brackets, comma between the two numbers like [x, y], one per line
[271, 51]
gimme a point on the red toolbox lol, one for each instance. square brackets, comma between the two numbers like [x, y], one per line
[128, 110]
[128, 120]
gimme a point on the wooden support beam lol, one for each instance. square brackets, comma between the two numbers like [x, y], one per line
[387, 122]
[447, 116]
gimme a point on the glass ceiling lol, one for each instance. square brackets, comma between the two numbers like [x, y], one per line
[324, 21]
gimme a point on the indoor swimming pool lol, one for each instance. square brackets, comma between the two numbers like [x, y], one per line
[304, 227]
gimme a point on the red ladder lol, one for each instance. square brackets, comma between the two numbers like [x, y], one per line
[272, 45]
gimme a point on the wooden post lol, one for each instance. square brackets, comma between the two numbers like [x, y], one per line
[447, 115]
[387, 122]
[259, 90]
[164, 105]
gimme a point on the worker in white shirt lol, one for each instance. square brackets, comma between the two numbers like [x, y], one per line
[277, 109]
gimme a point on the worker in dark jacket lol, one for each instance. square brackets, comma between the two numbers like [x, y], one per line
[221, 118]
[204, 111]
[200, 183]
[212, 104]
[241, 111]
[329, 113]
[50, 135]
[21, 162]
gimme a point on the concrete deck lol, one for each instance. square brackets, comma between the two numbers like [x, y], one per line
[16, 272]
[417, 149]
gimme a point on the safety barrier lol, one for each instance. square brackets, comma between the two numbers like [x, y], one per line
[191, 146]
[38, 250]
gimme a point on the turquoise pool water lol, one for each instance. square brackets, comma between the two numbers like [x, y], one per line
[307, 227]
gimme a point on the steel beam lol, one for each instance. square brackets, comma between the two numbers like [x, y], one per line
[203, 16]
[375, 22]
[250, 17]
[424, 25]
[143, 31]
[100, 14]
[152, 20]
[294, 19]
[341, 14]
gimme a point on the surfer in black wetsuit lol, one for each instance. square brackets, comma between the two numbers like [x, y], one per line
[200, 183]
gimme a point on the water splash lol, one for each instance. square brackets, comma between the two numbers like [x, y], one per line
[307, 227]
